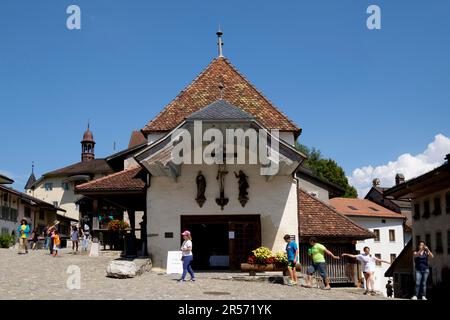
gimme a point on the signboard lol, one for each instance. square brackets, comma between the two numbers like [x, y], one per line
[174, 263]
[230, 234]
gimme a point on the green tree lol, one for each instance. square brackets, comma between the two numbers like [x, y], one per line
[327, 169]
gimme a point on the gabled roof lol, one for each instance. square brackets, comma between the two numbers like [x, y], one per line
[30, 182]
[220, 110]
[137, 138]
[333, 189]
[5, 180]
[128, 180]
[237, 90]
[362, 207]
[318, 219]
[31, 200]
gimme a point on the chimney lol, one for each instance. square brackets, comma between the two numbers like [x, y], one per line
[376, 182]
[447, 157]
[399, 178]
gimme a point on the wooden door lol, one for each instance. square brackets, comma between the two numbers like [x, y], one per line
[247, 237]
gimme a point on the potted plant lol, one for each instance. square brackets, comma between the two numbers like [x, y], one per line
[117, 228]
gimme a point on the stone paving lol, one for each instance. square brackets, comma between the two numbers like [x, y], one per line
[37, 275]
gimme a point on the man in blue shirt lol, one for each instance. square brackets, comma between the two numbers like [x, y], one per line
[292, 255]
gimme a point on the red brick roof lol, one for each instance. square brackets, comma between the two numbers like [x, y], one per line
[204, 90]
[136, 139]
[316, 218]
[127, 180]
[362, 207]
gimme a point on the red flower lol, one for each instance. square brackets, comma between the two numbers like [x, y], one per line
[251, 260]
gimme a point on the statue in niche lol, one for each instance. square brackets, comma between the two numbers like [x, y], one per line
[201, 187]
[222, 201]
[243, 186]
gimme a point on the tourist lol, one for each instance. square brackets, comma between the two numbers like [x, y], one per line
[292, 256]
[34, 239]
[56, 242]
[47, 238]
[74, 238]
[369, 263]
[23, 230]
[50, 235]
[186, 256]
[422, 269]
[86, 237]
[389, 289]
[317, 253]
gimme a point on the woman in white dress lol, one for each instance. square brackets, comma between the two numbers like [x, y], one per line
[369, 263]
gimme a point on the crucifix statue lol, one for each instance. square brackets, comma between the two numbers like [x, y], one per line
[222, 201]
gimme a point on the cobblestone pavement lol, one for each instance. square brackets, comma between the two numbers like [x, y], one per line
[37, 275]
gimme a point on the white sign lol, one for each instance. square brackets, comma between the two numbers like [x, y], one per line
[95, 250]
[174, 263]
[230, 234]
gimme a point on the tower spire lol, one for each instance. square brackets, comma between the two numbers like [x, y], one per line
[219, 43]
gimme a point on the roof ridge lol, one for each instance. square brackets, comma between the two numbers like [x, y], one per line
[334, 210]
[261, 94]
[180, 93]
[108, 176]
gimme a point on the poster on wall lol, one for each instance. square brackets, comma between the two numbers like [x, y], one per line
[174, 263]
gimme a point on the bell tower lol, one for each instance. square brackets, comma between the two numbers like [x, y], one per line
[87, 146]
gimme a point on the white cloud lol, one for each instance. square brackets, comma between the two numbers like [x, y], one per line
[409, 165]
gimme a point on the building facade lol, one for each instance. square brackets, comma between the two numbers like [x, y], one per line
[57, 187]
[430, 194]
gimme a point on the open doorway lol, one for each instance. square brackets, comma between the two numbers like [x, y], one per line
[222, 242]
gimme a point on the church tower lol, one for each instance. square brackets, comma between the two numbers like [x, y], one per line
[87, 146]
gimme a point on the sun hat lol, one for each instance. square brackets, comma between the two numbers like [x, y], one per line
[186, 233]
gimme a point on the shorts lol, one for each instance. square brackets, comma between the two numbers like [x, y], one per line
[291, 264]
[321, 266]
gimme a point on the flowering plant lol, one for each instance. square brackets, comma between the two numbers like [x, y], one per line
[281, 259]
[116, 225]
[264, 256]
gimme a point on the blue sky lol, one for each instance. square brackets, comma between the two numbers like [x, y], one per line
[363, 97]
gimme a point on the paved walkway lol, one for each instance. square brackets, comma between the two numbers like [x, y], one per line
[37, 275]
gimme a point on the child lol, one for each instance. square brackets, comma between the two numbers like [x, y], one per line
[56, 242]
[389, 289]
[292, 254]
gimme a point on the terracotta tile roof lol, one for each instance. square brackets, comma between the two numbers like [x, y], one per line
[131, 179]
[362, 207]
[136, 139]
[204, 90]
[316, 218]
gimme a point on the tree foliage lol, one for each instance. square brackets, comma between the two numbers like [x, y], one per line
[327, 169]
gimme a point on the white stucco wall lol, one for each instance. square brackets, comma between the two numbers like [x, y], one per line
[384, 246]
[66, 198]
[432, 225]
[287, 137]
[321, 193]
[275, 201]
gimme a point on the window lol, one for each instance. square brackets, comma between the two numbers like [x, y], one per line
[417, 211]
[426, 209]
[437, 206]
[378, 255]
[65, 186]
[41, 215]
[373, 209]
[5, 197]
[448, 241]
[377, 235]
[352, 207]
[417, 240]
[393, 257]
[439, 245]
[447, 202]
[13, 214]
[391, 235]
[48, 186]
[27, 212]
[428, 240]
